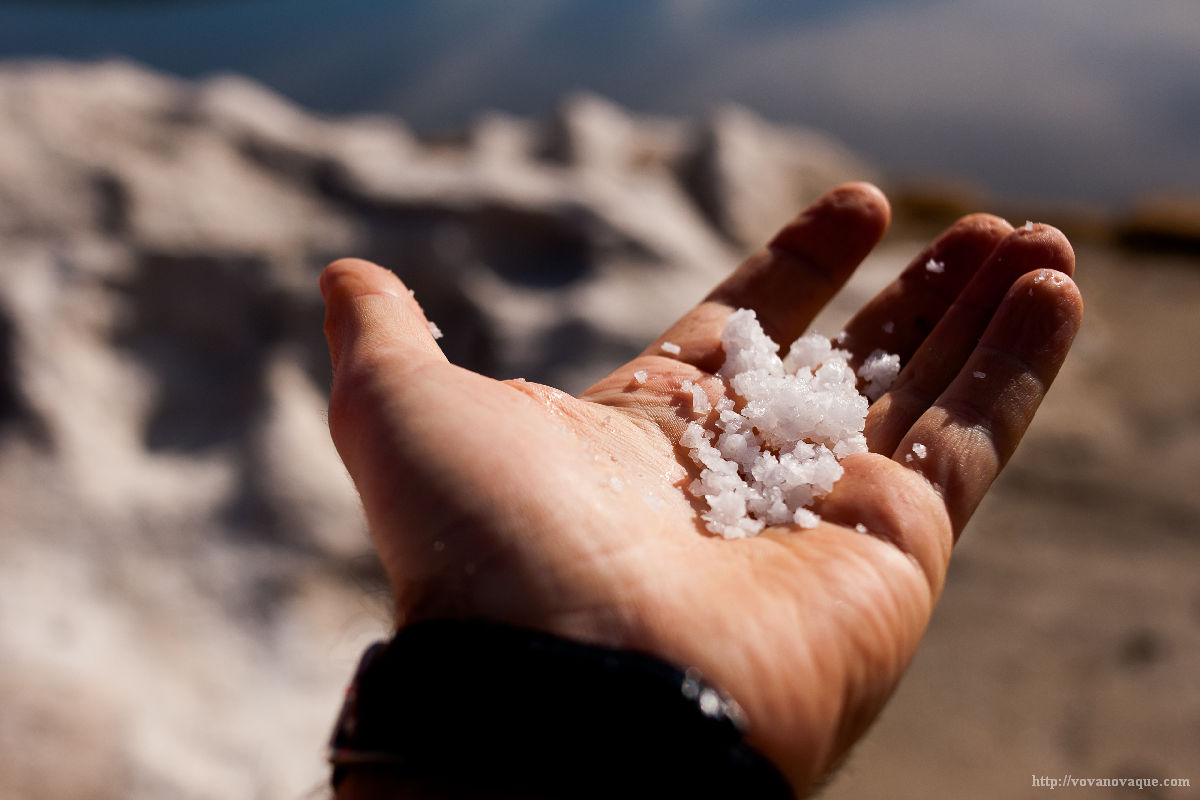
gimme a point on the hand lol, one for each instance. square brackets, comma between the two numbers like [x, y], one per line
[516, 502]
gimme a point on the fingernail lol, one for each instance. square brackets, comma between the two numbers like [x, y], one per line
[1048, 315]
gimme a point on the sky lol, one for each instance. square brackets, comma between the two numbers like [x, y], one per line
[1090, 102]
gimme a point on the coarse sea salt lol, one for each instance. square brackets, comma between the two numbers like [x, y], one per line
[700, 402]
[640, 376]
[879, 370]
[934, 266]
[671, 348]
[800, 416]
[434, 330]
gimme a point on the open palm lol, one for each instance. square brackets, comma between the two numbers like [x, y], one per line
[515, 502]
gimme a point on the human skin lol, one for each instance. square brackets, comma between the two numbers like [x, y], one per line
[494, 499]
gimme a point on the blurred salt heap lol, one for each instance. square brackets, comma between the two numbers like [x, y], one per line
[185, 582]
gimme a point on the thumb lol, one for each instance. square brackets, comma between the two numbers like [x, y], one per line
[370, 312]
[378, 340]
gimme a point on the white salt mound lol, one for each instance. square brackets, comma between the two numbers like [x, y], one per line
[800, 416]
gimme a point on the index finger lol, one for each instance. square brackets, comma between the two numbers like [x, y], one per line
[790, 280]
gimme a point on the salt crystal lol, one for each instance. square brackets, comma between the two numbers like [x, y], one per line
[918, 450]
[878, 370]
[936, 267]
[860, 528]
[855, 443]
[434, 330]
[640, 376]
[671, 347]
[979, 374]
[700, 403]
[710, 703]
[806, 518]
[694, 436]
[1028, 224]
[810, 352]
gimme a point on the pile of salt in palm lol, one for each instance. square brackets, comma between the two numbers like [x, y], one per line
[799, 417]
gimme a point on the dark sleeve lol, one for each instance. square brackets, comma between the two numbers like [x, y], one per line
[507, 711]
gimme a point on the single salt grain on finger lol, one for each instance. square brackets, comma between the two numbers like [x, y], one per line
[799, 416]
[434, 330]
[640, 376]
[806, 518]
[878, 370]
[934, 266]
[671, 348]
[700, 401]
